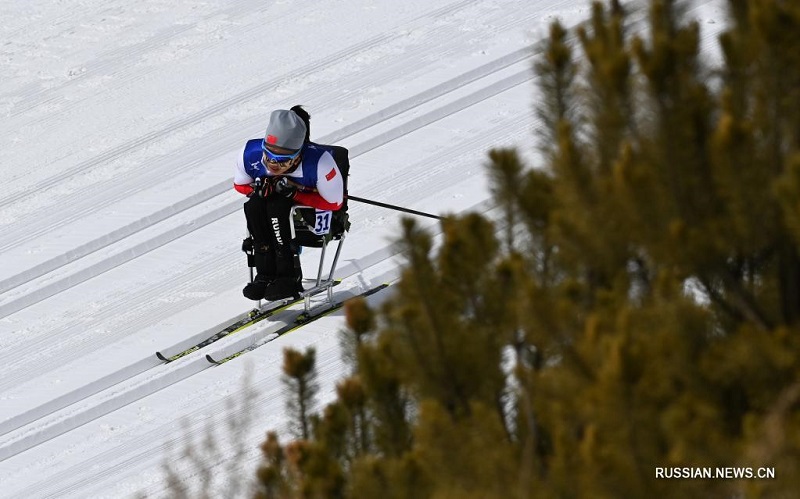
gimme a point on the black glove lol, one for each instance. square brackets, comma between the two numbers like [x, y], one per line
[285, 188]
[262, 187]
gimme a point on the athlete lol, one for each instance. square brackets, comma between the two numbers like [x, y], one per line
[282, 169]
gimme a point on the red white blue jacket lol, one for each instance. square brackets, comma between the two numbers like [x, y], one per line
[321, 181]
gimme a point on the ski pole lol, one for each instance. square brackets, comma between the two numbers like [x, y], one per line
[377, 203]
[393, 207]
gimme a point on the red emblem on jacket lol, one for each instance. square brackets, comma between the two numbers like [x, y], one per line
[330, 174]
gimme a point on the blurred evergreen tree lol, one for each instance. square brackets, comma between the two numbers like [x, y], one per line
[299, 377]
[639, 306]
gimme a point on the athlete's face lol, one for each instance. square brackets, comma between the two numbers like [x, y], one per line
[279, 160]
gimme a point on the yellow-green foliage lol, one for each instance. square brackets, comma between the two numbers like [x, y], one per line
[639, 307]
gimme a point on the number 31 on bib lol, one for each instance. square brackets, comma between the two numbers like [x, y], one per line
[322, 222]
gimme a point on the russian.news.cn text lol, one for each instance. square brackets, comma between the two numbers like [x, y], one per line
[727, 473]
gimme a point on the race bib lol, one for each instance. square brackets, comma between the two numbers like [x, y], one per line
[322, 222]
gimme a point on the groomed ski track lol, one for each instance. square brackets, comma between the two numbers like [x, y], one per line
[132, 245]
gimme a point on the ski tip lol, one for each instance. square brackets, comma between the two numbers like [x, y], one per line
[161, 356]
[210, 359]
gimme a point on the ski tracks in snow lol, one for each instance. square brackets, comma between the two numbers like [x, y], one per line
[34, 354]
[484, 91]
[418, 102]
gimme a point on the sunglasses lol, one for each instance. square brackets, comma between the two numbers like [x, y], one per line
[277, 158]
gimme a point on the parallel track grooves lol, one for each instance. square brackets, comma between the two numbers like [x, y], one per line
[419, 122]
[223, 106]
[437, 114]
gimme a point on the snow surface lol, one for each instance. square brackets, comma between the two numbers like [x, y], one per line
[120, 233]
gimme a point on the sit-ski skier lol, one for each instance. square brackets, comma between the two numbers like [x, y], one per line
[282, 169]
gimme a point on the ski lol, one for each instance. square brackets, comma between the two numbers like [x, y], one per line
[299, 321]
[255, 316]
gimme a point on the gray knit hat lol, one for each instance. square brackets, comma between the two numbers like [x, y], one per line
[285, 130]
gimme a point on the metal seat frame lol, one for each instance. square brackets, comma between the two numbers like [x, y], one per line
[320, 284]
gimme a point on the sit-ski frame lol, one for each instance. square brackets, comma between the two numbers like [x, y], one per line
[320, 285]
